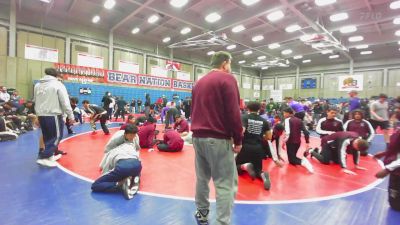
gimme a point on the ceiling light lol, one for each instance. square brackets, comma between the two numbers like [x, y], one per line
[264, 68]
[366, 52]
[292, 28]
[46, 1]
[230, 47]
[356, 38]
[261, 57]
[186, 30]
[242, 61]
[362, 46]
[334, 56]
[324, 2]
[178, 3]
[249, 52]
[135, 30]
[274, 46]
[153, 19]
[339, 17]
[348, 29]
[298, 57]
[275, 16]
[238, 28]
[395, 5]
[213, 17]
[318, 45]
[210, 53]
[287, 52]
[250, 2]
[324, 52]
[307, 61]
[306, 37]
[396, 20]
[257, 38]
[167, 39]
[398, 42]
[397, 33]
[109, 4]
[96, 19]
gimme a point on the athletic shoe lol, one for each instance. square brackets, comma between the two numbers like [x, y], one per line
[125, 188]
[55, 157]
[46, 162]
[59, 152]
[135, 182]
[250, 171]
[307, 152]
[266, 180]
[201, 217]
[71, 132]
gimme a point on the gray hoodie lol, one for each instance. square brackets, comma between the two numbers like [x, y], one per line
[51, 98]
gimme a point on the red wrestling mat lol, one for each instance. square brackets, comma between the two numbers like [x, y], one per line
[173, 173]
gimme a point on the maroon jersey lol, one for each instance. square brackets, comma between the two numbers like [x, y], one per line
[392, 157]
[146, 135]
[362, 127]
[339, 142]
[173, 140]
[328, 126]
[293, 128]
[182, 126]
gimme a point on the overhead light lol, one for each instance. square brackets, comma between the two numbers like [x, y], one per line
[362, 46]
[287, 52]
[264, 67]
[46, 1]
[275, 16]
[257, 38]
[334, 56]
[292, 28]
[274, 46]
[396, 20]
[186, 30]
[210, 53]
[395, 5]
[109, 4]
[167, 39]
[298, 57]
[324, 52]
[324, 2]
[339, 17]
[230, 47]
[356, 38]
[397, 33]
[96, 19]
[249, 52]
[178, 3]
[366, 52]
[213, 17]
[307, 61]
[135, 30]
[398, 42]
[250, 2]
[242, 61]
[348, 29]
[153, 19]
[238, 28]
[318, 45]
[306, 37]
[261, 57]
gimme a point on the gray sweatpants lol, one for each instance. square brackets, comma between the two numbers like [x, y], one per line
[215, 158]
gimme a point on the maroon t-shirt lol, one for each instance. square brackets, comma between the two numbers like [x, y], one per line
[173, 139]
[182, 126]
[146, 135]
[393, 151]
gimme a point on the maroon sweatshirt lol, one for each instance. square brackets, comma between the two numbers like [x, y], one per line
[181, 126]
[146, 135]
[325, 126]
[341, 141]
[392, 158]
[362, 127]
[173, 140]
[293, 128]
[215, 108]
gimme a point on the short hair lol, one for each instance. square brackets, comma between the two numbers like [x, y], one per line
[178, 116]
[332, 108]
[151, 120]
[359, 112]
[131, 117]
[52, 72]
[383, 95]
[85, 102]
[131, 129]
[219, 57]
[362, 144]
[288, 110]
[253, 106]
[279, 127]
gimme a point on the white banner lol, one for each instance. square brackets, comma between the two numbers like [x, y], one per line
[90, 60]
[351, 82]
[256, 87]
[276, 95]
[256, 94]
[158, 71]
[182, 75]
[129, 67]
[246, 86]
[268, 87]
[285, 86]
[40, 53]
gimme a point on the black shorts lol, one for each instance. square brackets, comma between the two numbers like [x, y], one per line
[384, 125]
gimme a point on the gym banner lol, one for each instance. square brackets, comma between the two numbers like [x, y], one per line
[182, 84]
[80, 74]
[351, 82]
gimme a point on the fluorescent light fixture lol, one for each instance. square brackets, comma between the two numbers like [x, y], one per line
[210, 53]
[395, 5]
[275, 16]
[186, 30]
[334, 56]
[153, 19]
[287, 52]
[238, 28]
[297, 57]
[396, 21]
[167, 39]
[324, 52]
[249, 52]
[324, 2]
[339, 17]
[46, 1]
[398, 42]
[178, 3]
[109, 4]
[264, 67]
[250, 2]
[261, 57]
[230, 47]
[135, 30]
[362, 46]
[292, 28]
[274, 46]
[307, 61]
[356, 38]
[348, 29]
[257, 38]
[318, 45]
[213, 17]
[306, 37]
[242, 61]
[96, 19]
[366, 52]
[397, 33]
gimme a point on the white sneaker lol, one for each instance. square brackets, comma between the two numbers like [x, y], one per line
[307, 165]
[55, 157]
[46, 162]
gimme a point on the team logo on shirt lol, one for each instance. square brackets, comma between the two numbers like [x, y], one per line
[254, 126]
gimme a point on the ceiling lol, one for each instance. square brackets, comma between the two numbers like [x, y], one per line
[374, 20]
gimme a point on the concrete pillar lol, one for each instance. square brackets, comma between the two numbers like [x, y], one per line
[110, 50]
[68, 50]
[13, 28]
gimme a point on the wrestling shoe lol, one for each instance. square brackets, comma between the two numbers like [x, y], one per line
[201, 217]
[55, 157]
[48, 162]
[266, 180]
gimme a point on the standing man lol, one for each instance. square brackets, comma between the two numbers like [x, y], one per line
[216, 122]
[51, 102]
[297, 107]
[380, 116]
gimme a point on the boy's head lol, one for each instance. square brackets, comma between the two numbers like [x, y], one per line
[178, 118]
[287, 112]
[221, 60]
[131, 119]
[358, 115]
[130, 132]
[253, 106]
[331, 112]
[382, 97]
[279, 128]
[151, 120]
[360, 144]
[85, 104]
[277, 119]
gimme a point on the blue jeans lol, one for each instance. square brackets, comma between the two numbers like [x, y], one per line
[52, 130]
[123, 169]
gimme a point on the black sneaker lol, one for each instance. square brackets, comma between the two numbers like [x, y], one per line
[250, 171]
[266, 180]
[201, 217]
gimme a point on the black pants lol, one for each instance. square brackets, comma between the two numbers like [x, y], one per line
[328, 154]
[394, 192]
[300, 115]
[120, 112]
[165, 148]
[292, 149]
[103, 120]
[253, 154]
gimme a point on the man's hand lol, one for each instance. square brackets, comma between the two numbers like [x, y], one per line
[348, 172]
[383, 173]
[360, 168]
[237, 148]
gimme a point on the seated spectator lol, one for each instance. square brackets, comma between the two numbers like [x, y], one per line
[4, 96]
[5, 133]
[131, 120]
[147, 133]
[172, 142]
